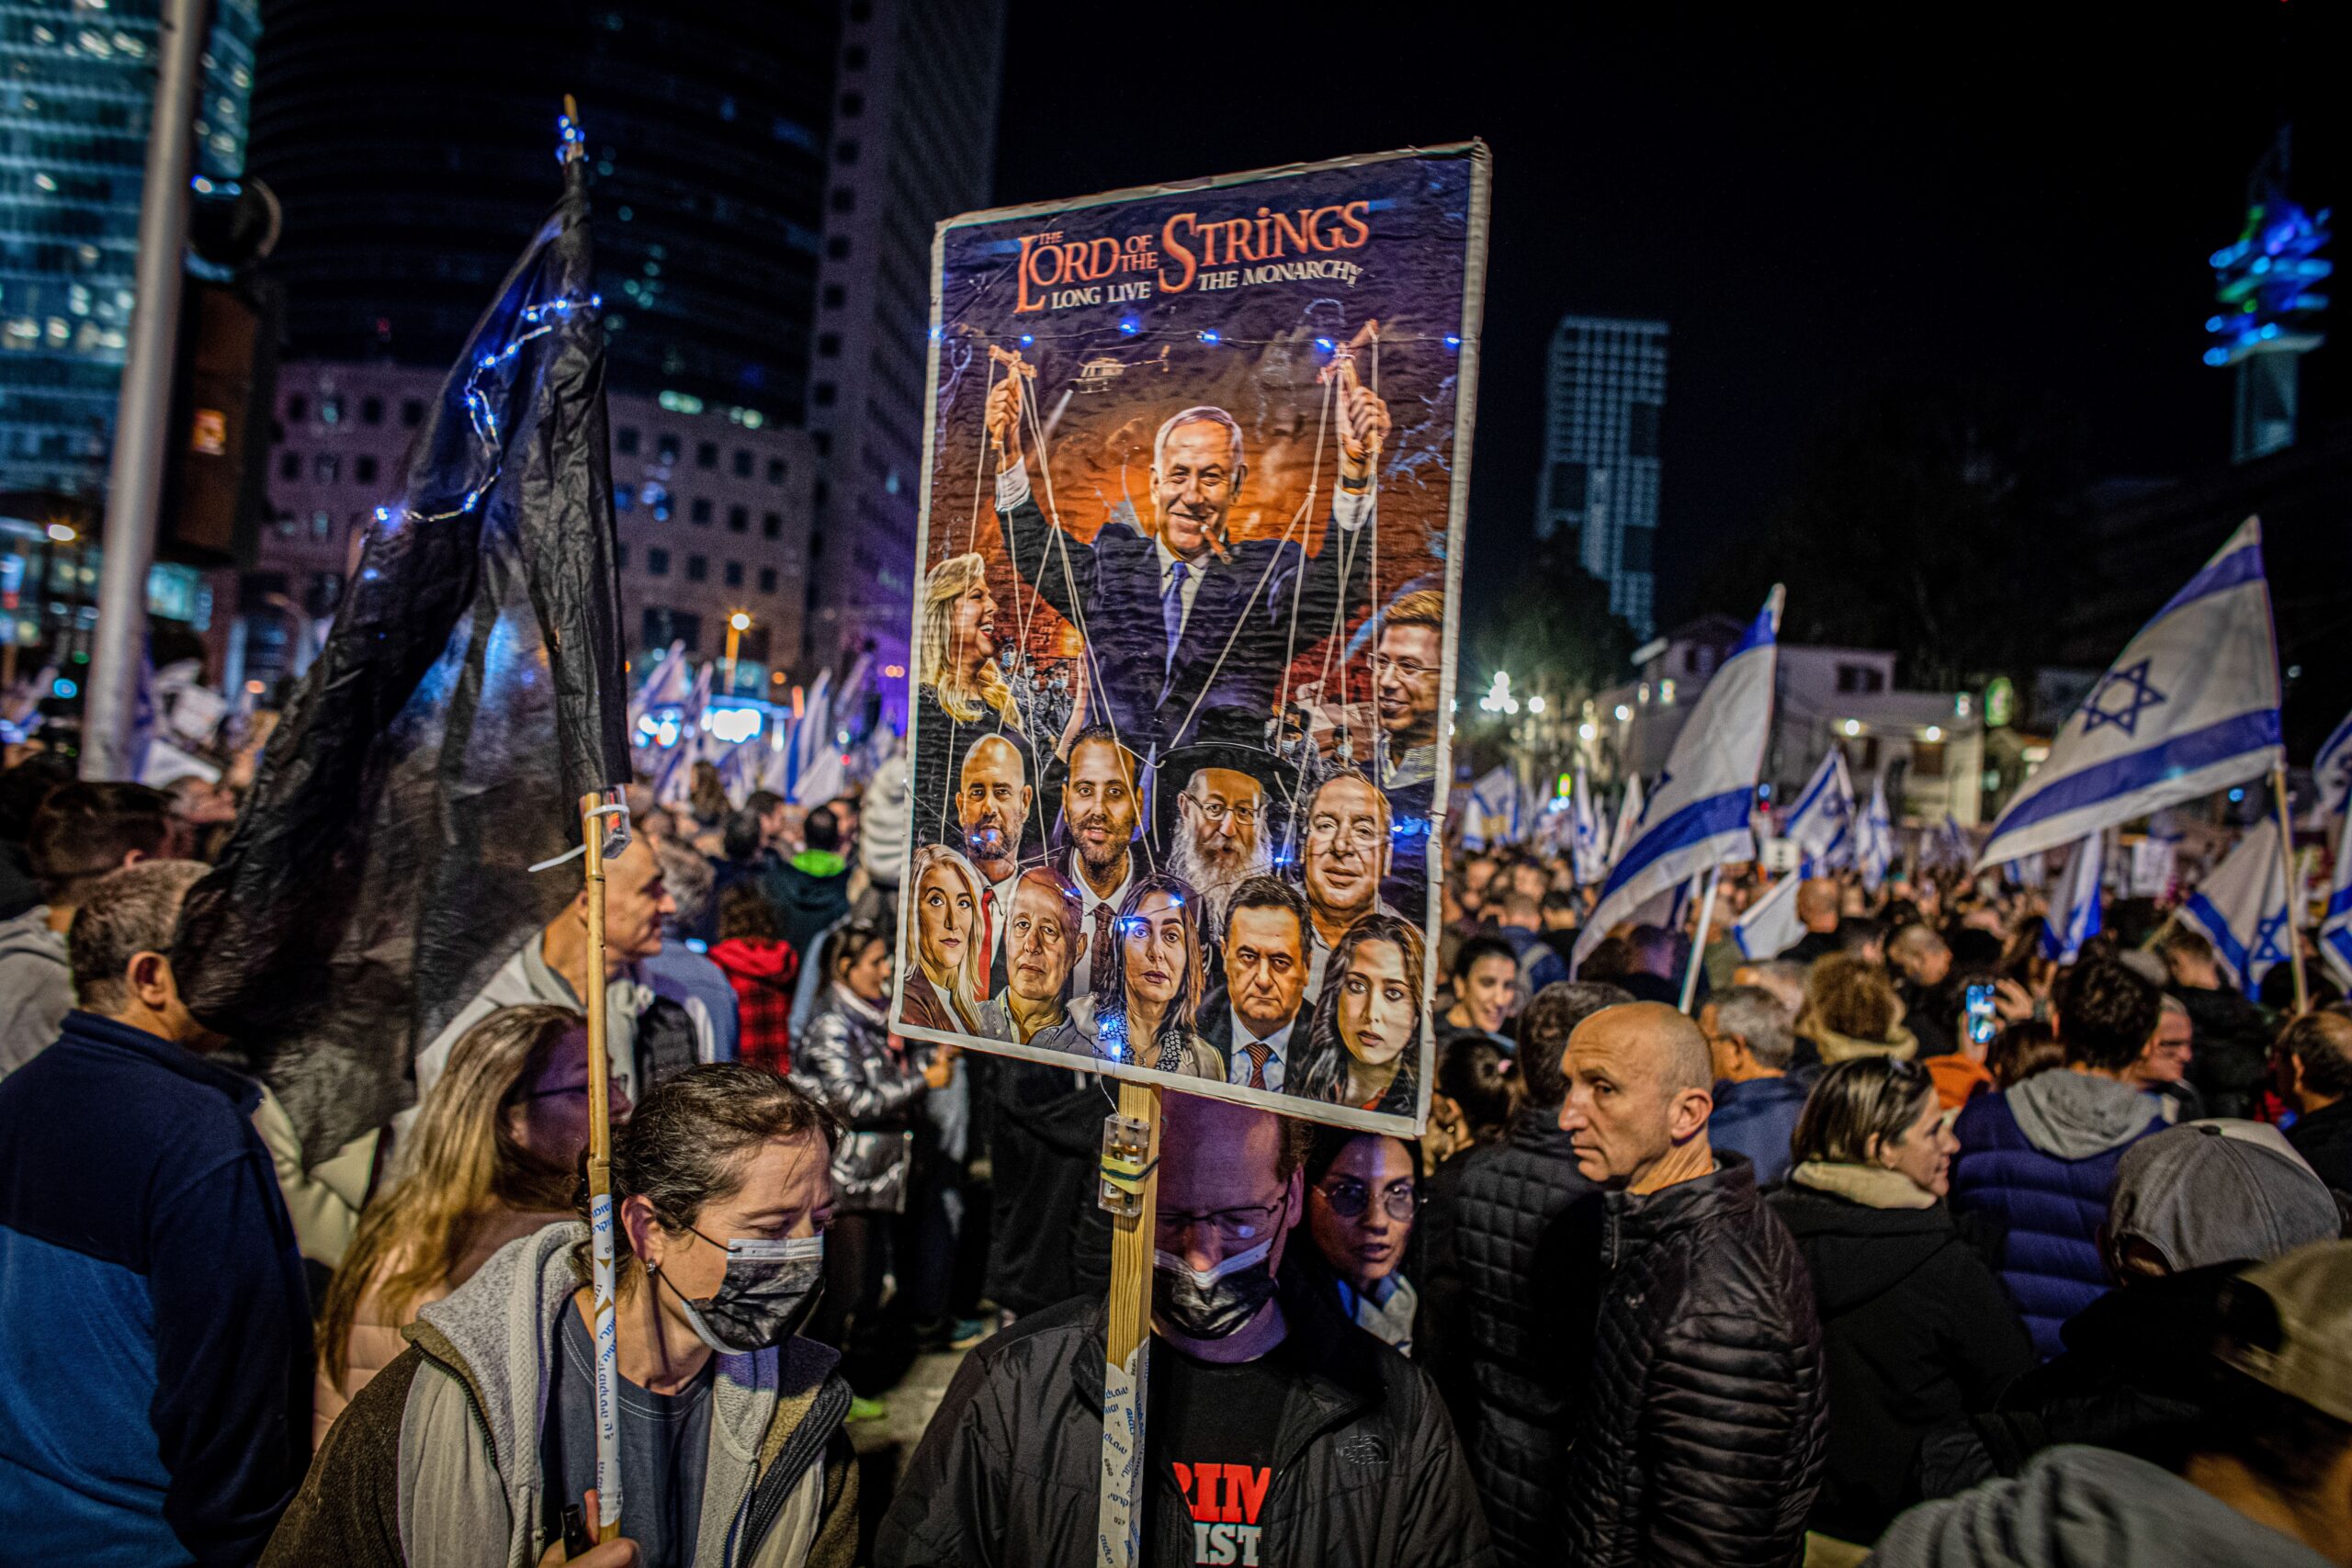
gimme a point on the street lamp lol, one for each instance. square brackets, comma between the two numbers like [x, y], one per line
[737, 625]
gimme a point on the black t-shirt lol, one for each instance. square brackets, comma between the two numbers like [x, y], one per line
[1212, 1428]
[666, 1449]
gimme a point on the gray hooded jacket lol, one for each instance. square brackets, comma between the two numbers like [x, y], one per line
[2084, 1507]
[2078, 1115]
[439, 1456]
[36, 987]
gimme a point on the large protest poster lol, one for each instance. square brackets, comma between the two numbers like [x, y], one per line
[1197, 467]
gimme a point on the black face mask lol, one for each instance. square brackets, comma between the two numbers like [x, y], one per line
[768, 1293]
[1217, 1303]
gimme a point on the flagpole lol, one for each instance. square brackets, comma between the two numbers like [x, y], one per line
[2287, 864]
[1699, 939]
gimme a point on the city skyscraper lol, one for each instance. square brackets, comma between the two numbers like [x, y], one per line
[413, 147]
[75, 99]
[914, 141]
[1604, 399]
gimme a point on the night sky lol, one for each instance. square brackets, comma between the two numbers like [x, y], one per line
[1818, 205]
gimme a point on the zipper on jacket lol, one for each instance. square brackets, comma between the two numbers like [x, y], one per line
[770, 1489]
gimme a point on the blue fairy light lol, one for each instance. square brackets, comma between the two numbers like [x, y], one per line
[1209, 335]
[1130, 326]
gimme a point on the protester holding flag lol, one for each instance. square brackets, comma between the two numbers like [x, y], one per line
[475, 1442]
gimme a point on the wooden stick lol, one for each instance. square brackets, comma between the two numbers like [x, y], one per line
[1699, 940]
[1119, 1517]
[2294, 915]
[600, 1185]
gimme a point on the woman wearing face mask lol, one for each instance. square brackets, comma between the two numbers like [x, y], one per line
[478, 1444]
[947, 983]
[871, 1082]
[1363, 1196]
[1147, 983]
[1366, 1047]
[495, 1155]
[1915, 1331]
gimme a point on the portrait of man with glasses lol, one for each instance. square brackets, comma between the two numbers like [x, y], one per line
[1343, 855]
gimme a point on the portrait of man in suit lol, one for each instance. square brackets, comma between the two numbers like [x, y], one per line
[1262, 992]
[1168, 608]
[1342, 862]
[992, 800]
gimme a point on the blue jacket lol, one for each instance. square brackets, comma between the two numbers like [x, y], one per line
[2038, 1162]
[154, 1333]
[1758, 1118]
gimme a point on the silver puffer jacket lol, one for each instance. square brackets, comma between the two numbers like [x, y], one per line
[845, 1062]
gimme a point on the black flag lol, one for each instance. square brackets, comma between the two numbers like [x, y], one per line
[470, 691]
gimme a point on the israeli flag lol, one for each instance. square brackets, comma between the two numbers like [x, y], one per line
[1770, 926]
[1698, 810]
[1628, 816]
[1821, 824]
[2331, 773]
[2190, 706]
[2074, 916]
[1588, 837]
[2241, 908]
[1950, 844]
[2336, 921]
[819, 777]
[664, 686]
[1493, 817]
[1874, 837]
[673, 783]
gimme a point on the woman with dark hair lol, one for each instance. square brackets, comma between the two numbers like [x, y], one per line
[1363, 1197]
[479, 1442]
[1147, 982]
[1915, 1331]
[1364, 1046]
[1485, 989]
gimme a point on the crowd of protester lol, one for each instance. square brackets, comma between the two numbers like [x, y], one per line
[1828, 1267]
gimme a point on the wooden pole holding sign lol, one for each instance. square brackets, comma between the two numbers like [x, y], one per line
[600, 1184]
[1130, 1190]
[2294, 888]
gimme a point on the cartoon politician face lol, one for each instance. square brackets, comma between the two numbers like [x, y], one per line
[992, 807]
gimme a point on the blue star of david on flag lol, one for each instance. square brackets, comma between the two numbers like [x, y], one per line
[2140, 697]
[2267, 949]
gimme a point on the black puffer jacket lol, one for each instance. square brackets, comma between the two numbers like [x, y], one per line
[2229, 1063]
[1517, 1255]
[1916, 1333]
[1366, 1469]
[1701, 1437]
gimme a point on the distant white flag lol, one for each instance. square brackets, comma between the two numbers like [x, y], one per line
[1770, 926]
[1492, 816]
[2074, 916]
[673, 783]
[1588, 841]
[1874, 837]
[664, 686]
[1697, 816]
[1629, 816]
[2241, 908]
[2190, 706]
[2332, 771]
[2336, 920]
[1821, 824]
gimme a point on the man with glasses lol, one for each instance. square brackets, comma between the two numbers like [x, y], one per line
[2162, 1068]
[1342, 862]
[1407, 669]
[1274, 1431]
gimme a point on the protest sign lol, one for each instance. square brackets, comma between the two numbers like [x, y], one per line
[1196, 470]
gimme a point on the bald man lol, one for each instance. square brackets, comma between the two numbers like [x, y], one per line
[1818, 911]
[1700, 1438]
